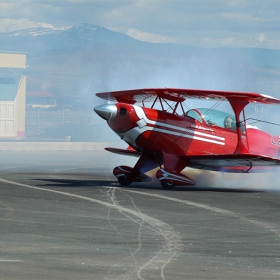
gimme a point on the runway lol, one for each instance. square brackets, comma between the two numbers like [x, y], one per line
[63, 216]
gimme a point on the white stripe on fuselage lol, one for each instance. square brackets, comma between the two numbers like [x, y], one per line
[131, 135]
[141, 115]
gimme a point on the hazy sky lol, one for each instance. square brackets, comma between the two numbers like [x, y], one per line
[208, 23]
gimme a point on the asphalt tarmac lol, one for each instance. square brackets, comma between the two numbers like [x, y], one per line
[63, 216]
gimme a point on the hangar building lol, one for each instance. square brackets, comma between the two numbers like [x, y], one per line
[12, 94]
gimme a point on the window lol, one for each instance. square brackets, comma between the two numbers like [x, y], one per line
[194, 114]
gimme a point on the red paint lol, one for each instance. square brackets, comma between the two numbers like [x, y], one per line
[172, 142]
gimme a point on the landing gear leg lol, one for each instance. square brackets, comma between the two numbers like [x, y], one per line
[126, 174]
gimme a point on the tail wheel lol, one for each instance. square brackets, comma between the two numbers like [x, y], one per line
[124, 181]
[167, 185]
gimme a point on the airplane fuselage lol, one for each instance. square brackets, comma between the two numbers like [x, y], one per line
[172, 138]
[157, 131]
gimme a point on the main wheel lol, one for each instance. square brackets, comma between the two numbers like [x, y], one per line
[124, 181]
[167, 186]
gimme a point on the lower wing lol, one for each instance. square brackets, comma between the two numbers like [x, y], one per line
[234, 163]
[126, 152]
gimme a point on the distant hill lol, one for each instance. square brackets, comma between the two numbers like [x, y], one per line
[84, 59]
[80, 60]
[71, 38]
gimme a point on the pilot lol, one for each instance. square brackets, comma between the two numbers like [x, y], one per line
[229, 123]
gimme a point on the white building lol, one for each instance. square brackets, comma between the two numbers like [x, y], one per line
[12, 94]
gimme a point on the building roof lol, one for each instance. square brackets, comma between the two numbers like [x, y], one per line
[13, 52]
[14, 71]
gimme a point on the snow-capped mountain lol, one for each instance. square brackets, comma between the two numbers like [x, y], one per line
[40, 40]
[88, 58]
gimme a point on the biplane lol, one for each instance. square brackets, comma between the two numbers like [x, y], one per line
[169, 136]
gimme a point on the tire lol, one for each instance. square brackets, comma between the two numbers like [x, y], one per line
[124, 181]
[167, 186]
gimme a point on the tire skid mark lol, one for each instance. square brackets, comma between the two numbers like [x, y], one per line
[112, 197]
[141, 225]
[10, 211]
[228, 213]
[172, 239]
[166, 252]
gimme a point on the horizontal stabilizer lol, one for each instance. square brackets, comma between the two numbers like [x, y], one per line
[233, 163]
[126, 152]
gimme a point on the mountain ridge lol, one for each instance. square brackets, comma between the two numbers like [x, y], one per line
[80, 36]
[86, 58]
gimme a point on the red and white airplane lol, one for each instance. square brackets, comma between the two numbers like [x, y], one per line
[170, 137]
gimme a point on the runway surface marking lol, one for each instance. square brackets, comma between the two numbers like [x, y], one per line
[71, 169]
[12, 167]
[172, 239]
[221, 211]
[3, 260]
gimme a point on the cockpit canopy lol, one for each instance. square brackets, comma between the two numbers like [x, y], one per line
[212, 117]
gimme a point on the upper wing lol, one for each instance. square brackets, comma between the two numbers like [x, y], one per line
[176, 94]
[233, 162]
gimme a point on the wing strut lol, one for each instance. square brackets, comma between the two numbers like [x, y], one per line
[242, 145]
